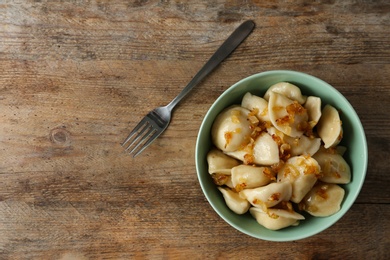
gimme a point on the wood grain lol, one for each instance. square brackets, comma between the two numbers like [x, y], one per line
[75, 76]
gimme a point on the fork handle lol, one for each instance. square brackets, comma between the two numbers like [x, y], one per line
[222, 53]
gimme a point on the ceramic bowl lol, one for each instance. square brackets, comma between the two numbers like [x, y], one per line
[354, 139]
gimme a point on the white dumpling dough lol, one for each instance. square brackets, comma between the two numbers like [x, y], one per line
[257, 104]
[232, 199]
[249, 176]
[323, 200]
[264, 151]
[275, 219]
[329, 127]
[302, 172]
[269, 195]
[313, 107]
[334, 168]
[219, 162]
[286, 115]
[231, 129]
[286, 89]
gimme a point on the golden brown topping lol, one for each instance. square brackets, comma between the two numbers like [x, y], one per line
[249, 158]
[295, 109]
[219, 178]
[277, 139]
[257, 202]
[235, 120]
[276, 167]
[311, 169]
[256, 131]
[253, 112]
[285, 152]
[290, 169]
[322, 192]
[292, 110]
[261, 204]
[239, 187]
[305, 127]
[286, 205]
[248, 147]
[256, 126]
[228, 137]
[286, 120]
[275, 196]
[277, 108]
[273, 215]
[270, 174]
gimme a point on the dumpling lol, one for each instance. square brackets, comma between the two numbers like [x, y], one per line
[269, 195]
[275, 219]
[232, 199]
[286, 89]
[323, 200]
[329, 127]
[302, 145]
[256, 104]
[334, 168]
[313, 107]
[287, 116]
[263, 151]
[302, 172]
[219, 162]
[248, 176]
[231, 129]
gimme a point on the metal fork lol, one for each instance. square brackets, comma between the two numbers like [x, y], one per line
[157, 120]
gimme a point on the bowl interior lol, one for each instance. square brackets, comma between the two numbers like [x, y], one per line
[354, 139]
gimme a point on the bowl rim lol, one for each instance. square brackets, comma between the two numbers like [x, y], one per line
[361, 135]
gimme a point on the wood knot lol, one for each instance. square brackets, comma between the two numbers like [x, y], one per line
[59, 136]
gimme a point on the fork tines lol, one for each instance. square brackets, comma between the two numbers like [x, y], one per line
[137, 137]
[143, 134]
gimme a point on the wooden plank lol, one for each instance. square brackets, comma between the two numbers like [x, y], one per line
[76, 76]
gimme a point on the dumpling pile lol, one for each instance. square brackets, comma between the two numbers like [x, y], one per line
[278, 155]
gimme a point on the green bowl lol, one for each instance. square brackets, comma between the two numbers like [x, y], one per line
[354, 139]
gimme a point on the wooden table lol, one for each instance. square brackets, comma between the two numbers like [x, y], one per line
[76, 76]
